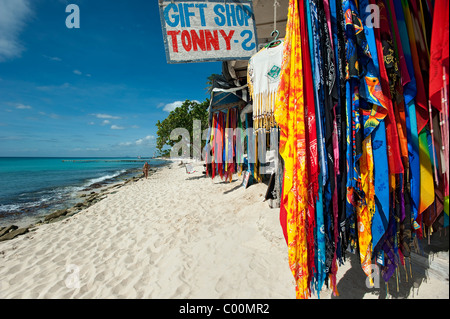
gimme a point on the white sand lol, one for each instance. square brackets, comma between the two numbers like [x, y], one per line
[172, 236]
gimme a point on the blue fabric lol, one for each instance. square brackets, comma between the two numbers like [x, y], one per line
[381, 167]
[320, 226]
[349, 206]
[316, 59]
[320, 242]
[310, 35]
[410, 89]
[381, 174]
[446, 221]
[414, 162]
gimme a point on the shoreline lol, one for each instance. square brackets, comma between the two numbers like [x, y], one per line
[84, 198]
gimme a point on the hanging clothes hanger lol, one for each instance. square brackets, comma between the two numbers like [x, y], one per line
[275, 42]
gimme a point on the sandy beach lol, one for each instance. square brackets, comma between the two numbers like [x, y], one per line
[179, 235]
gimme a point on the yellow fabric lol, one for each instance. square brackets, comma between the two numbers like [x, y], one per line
[289, 114]
[426, 174]
[366, 209]
[211, 141]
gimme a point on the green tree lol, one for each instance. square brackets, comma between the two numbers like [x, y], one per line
[182, 117]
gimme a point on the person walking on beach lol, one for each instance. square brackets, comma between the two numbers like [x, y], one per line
[145, 169]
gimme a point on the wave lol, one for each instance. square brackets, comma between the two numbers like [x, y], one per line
[105, 177]
[13, 208]
[9, 208]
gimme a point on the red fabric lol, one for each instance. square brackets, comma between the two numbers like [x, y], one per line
[439, 51]
[402, 62]
[311, 140]
[394, 158]
[219, 144]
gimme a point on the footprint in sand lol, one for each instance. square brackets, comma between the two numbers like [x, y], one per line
[220, 285]
[100, 277]
[181, 292]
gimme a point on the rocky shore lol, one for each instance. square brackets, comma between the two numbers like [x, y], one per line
[88, 197]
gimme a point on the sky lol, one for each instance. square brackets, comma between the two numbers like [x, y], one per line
[96, 90]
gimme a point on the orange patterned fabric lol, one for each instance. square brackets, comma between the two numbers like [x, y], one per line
[366, 208]
[289, 114]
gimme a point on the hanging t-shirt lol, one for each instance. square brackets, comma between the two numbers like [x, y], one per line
[263, 77]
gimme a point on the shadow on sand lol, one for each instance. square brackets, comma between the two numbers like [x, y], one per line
[403, 284]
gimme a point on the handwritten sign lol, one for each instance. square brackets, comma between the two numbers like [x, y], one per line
[208, 30]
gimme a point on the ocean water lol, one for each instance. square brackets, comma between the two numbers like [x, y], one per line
[32, 187]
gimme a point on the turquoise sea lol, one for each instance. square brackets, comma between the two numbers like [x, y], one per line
[32, 187]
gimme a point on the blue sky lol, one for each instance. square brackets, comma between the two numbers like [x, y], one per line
[93, 91]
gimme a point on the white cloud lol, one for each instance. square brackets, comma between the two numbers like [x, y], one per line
[23, 107]
[106, 116]
[91, 123]
[134, 126]
[13, 17]
[116, 127]
[145, 140]
[53, 87]
[106, 122]
[142, 141]
[51, 115]
[52, 58]
[77, 72]
[172, 106]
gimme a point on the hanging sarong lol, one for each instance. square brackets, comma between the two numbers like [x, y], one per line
[439, 86]
[220, 144]
[250, 142]
[381, 182]
[319, 233]
[409, 93]
[212, 173]
[400, 76]
[311, 142]
[289, 114]
[227, 144]
[328, 100]
[366, 108]
[426, 174]
[240, 139]
[421, 100]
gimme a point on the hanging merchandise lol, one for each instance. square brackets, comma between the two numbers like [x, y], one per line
[263, 78]
[438, 92]
[289, 115]
[363, 118]
[226, 140]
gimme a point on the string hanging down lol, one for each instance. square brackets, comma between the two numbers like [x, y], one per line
[275, 5]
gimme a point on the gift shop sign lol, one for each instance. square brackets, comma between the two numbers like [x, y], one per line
[208, 30]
